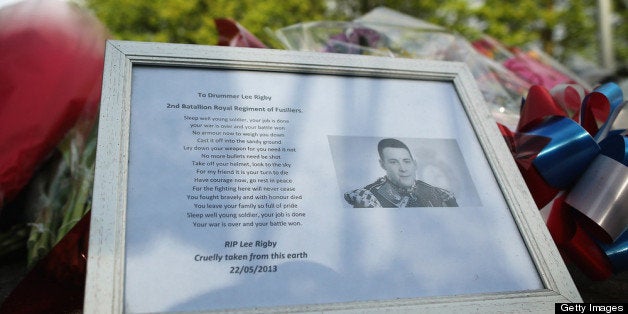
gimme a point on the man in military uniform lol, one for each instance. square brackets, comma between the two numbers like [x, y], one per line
[399, 188]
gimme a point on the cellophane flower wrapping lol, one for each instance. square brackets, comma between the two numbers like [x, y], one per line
[385, 32]
[60, 193]
[507, 78]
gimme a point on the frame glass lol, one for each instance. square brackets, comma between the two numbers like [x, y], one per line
[264, 180]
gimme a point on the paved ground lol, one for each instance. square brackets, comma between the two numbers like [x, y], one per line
[11, 272]
[612, 290]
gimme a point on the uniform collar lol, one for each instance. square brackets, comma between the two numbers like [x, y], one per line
[399, 189]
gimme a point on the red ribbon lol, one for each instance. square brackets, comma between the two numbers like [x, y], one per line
[231, 33]
[538, 106]
[524, 148]
[575, 244]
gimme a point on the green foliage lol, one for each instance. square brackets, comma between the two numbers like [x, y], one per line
[192, 21]
[559, 27]
[620, 29]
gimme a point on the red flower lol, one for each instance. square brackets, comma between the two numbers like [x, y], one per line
[51, 60]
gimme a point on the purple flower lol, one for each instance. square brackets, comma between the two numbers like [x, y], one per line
[353, 40]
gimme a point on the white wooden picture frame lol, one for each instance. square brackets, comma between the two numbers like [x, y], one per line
[155, 247]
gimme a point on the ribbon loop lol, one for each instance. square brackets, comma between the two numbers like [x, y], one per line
[568, 154]
[575, 244]
[568, 96]
[606, 100]
[602, 196]
[537, 106]
[616, 147]
[618, 252]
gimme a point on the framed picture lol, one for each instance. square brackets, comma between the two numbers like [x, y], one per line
[261, 180]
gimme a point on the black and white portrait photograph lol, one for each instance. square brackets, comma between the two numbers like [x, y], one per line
[397, 173]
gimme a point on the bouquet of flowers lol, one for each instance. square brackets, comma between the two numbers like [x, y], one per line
[51, 71]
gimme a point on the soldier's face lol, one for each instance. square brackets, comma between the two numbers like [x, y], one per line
[399, 165]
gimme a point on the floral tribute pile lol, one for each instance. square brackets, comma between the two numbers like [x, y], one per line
[559, 130]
